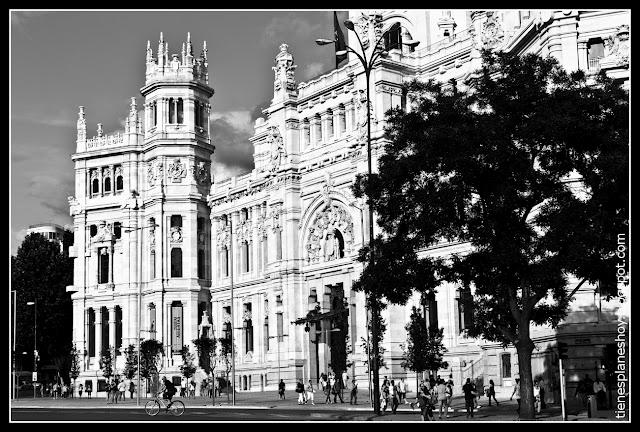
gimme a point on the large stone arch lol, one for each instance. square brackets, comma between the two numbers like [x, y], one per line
[323, 217]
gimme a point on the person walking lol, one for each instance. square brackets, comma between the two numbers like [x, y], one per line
[310, 393]
[402, 391]
[441, 391]
[132, 388]
[89, 389]
[336, 390]
[469, 397]
[492, 392]
[80, 388]
[600, 394]
[353, 399]
[122, 389]
[281, 389]
[536, 396]
[384, 394]
[393, 396]
[192, 389]
[183, 387]
[114, 391]
[449, 393]
[516, 393]
[300, 391]
[327, 392]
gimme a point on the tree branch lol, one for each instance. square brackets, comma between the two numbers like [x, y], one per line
[575, 290]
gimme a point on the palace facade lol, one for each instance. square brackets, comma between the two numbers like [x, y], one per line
[151, 225]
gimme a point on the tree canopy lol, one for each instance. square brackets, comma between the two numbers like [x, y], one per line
[40, 273]
[528, 165]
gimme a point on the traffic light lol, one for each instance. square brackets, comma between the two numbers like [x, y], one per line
[563, 351]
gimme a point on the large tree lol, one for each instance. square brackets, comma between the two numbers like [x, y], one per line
[424, 350]
[188, 367]
[40, 273]
[528, 166]
[130, 362]
[151, 352]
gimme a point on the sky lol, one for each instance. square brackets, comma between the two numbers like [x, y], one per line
[63, 59]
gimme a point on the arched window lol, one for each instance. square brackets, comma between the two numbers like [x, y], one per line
[176, 262]
[279, 244]
[95, 186]
[225, 220]
[342, 120]
[226, 330]
[180, 111]
[393, 38]
[119, 184]
[244, 215]
[107, 184]
[172, 111]
[105, 330]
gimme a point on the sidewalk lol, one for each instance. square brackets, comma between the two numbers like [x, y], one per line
[506, 411]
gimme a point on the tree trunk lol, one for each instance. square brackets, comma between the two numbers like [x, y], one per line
[525, 347]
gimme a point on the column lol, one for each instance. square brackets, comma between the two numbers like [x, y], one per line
[85, 342]
[98, 331]
[111, 256]
[583, 62]
[112, 325]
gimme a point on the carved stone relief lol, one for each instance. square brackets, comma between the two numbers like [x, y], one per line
[176, 171]
[322, 242]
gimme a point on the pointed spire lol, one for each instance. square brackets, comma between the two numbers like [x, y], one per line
[204, 50]
[133, 106]
[82, 124]
[184, 53]
[161, 53]
[189, 46]
[166, 52]
[149, 52]
[161, 37]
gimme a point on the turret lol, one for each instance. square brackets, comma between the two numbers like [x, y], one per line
[177, 66]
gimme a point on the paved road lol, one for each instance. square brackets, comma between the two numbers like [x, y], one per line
[201, 414]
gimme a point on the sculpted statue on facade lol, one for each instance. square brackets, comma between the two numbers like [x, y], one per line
[151, 174]
[360, 102]
[74, 206]
[82, 125]
[104, 232]
[616, 47]
[492, 31]
[284, 70]
[322, 240]
[277, 152]
[201, 172]
[176, 171]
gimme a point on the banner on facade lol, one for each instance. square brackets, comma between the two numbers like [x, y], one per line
[176, 329]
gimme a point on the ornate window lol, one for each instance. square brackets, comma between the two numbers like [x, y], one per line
[225, 261]
[245, 256]
[431, 309]
[306, 133]
[176, 221]
[119, 183]
[117, 230]
[393, 39]
[91, 342]
[95, 186]
[342, 120]
[506, 365]
[330, 132]
[248, 335]
[118, 312]
[279, 244]
[152, 321]
[176, 262]
[318, 125]
[180, 109]
[152, 265]
[465, 309]
[201, 265]
[154, 114]
[175, 111]
[107, 184]
[103, 265]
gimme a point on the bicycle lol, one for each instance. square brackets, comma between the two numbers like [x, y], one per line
[175, 407]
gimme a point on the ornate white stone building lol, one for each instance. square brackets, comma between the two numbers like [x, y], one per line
[287, 233]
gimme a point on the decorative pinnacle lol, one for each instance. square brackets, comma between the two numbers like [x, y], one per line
[161, 37]
[204, 50]
[189, 47]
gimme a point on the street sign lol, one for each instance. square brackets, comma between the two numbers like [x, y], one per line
[34, 376]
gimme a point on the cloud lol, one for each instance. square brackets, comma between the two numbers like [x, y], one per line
[289, 28]
[19, 19]
[58, 119]
[312, 70]
[52, 191]
[230, 133]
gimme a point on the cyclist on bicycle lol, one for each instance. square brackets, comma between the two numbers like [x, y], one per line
[168, 391]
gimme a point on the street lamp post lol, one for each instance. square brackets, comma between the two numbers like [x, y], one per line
[367, 64]
[139, 241]
[13, 351]
[34, 303]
